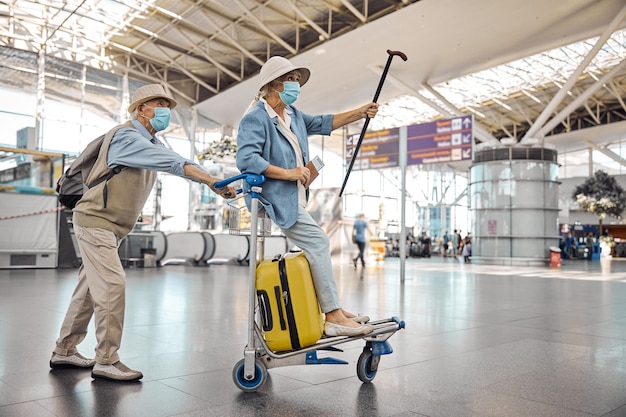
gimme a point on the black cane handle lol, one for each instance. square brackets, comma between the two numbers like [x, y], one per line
[397, 53]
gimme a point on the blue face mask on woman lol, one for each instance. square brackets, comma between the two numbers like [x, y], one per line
[290, 93]
[161, 119]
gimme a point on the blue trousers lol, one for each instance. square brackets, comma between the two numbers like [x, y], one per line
[361, 246]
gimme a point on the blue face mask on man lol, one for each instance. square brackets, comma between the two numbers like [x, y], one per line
[290, 93]
[161, 119]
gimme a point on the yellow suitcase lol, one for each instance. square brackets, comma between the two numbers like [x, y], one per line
[291, 318]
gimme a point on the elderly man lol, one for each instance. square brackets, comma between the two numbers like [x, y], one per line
[104, 215]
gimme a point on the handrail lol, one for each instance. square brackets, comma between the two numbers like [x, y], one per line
[31, 152]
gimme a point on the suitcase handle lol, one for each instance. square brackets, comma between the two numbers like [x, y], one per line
[264, 310]
[281, 315]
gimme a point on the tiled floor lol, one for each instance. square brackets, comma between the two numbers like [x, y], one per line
[479, 341]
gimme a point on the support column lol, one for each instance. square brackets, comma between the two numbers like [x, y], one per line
[514, 201]
[41, 97]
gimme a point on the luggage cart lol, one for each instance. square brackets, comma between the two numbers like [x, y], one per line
[250, 373]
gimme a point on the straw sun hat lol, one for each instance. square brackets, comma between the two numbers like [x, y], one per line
[278, 66]
[150, 92]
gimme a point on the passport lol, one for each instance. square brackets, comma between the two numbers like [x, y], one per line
[315, 165]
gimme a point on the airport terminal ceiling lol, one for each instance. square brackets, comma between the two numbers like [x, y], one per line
[502, 61]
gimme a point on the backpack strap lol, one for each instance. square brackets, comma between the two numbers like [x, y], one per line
[106, 142]
[106, 178]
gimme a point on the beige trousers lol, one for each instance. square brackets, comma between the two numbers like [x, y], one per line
[100, 292]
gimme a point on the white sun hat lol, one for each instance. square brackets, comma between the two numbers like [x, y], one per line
[278, 66]
[150, 92]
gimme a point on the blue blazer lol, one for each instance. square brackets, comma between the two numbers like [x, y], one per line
[261, 142]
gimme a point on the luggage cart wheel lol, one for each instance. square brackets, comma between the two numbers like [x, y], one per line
[260, 376]
[367, 365]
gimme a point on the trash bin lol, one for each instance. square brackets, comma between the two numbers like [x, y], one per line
[555, 257]
[149, 257]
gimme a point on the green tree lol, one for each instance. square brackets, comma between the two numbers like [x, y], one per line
[602, 196]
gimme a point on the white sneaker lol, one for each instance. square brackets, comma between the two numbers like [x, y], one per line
[70, 361]
[115, 372]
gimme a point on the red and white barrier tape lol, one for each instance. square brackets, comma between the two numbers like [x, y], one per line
[35, 213]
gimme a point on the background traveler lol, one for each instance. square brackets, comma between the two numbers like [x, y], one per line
[466, 250]
[359, 228]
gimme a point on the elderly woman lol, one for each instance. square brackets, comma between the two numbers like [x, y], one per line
[273, 140]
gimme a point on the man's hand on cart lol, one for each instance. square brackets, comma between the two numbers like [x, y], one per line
[226, 191]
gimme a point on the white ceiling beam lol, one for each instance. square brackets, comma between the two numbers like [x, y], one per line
[178, 20]
[612, 88]
[594, 116]
[230, 39]
[185, 71]
[560, 95]
[606, 151]
[580, 100]
[210, 59]
[354, 11]
[310, 22]
[266, 29]
[149, 60]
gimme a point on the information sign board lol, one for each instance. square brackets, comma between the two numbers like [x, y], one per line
[447, 140]
[378, 149]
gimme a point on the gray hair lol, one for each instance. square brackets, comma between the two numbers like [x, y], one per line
[264, 91]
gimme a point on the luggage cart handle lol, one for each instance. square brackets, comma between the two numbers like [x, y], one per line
[253, 180]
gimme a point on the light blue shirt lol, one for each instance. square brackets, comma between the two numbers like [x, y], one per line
[137, 148]
[261, 142]
[360, 226]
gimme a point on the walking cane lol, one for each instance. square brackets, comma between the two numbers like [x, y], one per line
[367, 119]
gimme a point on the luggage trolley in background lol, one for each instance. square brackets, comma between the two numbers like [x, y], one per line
[250, 373]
